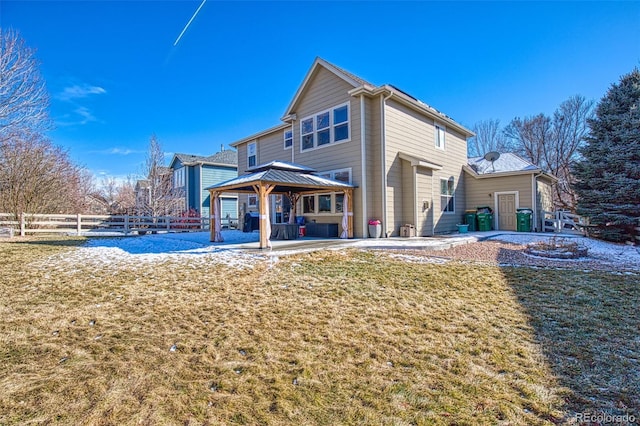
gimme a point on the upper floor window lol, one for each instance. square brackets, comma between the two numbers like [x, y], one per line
[447, 195]
[325, 127]
[179, 177]
[252, 156]
[341, 175]
[288, 139]
[439, 136]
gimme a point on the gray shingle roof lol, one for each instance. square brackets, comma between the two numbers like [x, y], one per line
[229, 157]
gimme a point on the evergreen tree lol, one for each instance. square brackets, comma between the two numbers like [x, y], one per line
[608, 176]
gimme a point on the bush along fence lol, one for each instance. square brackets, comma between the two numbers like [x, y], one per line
[78, 224]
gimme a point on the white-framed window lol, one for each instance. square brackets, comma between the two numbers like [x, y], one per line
[328, 203]
[253, 200]
[179, 177]
[324, 128]
[252, 154]
[447, 195]
[288, 139]
[341, 175]
[439, 133]
[309, 204]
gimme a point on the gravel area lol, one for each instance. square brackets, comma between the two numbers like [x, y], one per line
[509, 254]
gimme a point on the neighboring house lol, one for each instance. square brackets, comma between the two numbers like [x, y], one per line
[142, 194]
[507, 184]
[193, 173]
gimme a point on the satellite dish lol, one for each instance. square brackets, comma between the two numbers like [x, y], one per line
[492, 156]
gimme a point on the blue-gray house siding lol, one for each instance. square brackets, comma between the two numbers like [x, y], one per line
[201, 172]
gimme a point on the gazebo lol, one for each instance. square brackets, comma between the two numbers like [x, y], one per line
[278, 177]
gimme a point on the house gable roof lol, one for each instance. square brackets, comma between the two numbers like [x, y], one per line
[350, 78]
[226, 158]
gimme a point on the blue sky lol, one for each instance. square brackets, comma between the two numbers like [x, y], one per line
[115, 76]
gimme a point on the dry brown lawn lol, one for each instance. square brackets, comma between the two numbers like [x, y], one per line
[344, 337]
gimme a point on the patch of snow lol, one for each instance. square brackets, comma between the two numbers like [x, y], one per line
[602, 250]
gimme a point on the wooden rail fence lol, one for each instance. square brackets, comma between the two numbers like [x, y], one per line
[78, 224]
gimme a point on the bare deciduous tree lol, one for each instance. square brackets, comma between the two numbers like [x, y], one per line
[530, 137]
[24, 100]
[569, 131]
[117, 196]
[553, 143]
[38, 177]
[489, 137]
[155, 196]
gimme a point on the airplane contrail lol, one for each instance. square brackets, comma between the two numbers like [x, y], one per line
[189, 23]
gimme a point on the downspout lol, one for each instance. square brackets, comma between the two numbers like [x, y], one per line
[534, 199]
[363, 170]
[383, 149]
[414, 170]
[293, 142]
[200, 193]
[433, 211]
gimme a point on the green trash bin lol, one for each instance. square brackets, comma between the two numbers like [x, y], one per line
[471, 220]
[523, 217]
[484, 221]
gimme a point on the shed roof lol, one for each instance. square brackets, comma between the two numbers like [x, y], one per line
[507, 162]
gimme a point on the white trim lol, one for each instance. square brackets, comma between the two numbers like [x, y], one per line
[200, 190]
[285, 138]
[496, 212]
[249, 200]
[453, 196]
[363, 170]
[331, 127]
[383, 153]
[332, 174]
[255, 144]
[436, 131]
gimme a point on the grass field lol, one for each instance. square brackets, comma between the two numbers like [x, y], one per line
[344, 337]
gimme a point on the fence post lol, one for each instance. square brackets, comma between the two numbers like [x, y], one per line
[126, 223]
[22, 225]
[79, 224]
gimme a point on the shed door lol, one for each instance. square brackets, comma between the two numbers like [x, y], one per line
[507, 212]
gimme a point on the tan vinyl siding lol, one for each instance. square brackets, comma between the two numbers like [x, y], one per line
[412, 133]
[425, 216]
[325, 91]
[480, 192]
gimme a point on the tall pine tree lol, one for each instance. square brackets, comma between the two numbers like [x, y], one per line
[608, 176]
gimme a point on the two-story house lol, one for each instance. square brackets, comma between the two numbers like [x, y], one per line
[404, 157]
[192, 173]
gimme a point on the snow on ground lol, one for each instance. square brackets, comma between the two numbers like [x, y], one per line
[613, 253]
[241, 250]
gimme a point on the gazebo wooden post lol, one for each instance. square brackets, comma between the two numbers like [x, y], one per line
[214, 220]
[263, 192]
[349, 206]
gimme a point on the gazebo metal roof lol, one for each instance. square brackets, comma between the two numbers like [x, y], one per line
[286, 177]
